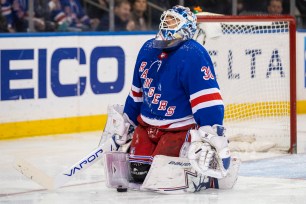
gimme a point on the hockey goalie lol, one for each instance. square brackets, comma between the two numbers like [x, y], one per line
[170, 130]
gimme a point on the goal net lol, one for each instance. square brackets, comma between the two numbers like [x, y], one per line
[254, 59]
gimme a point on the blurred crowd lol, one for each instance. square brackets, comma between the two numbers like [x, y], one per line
[129, 15]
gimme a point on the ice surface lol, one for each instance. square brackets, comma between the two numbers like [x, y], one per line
[280, 179]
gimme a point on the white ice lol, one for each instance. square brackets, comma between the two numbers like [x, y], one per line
[278, 180]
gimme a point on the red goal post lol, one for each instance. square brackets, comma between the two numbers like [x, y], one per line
[255, 63]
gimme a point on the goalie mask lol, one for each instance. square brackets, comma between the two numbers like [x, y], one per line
[177, 25]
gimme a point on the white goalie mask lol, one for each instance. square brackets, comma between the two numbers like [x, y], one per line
[177, 24]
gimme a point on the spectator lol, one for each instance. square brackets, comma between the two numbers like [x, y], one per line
[97, 12]
[42, 11]
[241, 8]
[3, 24]
[122, 12]
[16, 14]
[58, 15]
[6, 12]
[13, 15]
[77, 17]
[275, 7]
[139, 16]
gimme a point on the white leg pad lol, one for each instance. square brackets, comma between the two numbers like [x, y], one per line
[172, 175]
[116, 169]
[229, 181]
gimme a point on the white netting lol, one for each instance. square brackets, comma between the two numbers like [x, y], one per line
[252, 65]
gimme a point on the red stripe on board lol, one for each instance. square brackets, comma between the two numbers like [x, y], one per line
[205, 98]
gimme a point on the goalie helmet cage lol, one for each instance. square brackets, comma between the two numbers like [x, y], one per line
[255, 64]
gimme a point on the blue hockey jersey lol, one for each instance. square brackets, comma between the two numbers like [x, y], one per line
[175, 88]
[12, 9]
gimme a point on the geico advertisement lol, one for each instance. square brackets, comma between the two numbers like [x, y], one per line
[62, 76]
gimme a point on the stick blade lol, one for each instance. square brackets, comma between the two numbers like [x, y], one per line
[33, 173]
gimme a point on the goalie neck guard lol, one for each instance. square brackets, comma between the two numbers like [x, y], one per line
[177, 25]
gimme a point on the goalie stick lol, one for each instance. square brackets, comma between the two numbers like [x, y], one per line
[50, 183]
[111, 140]
[60, 179]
